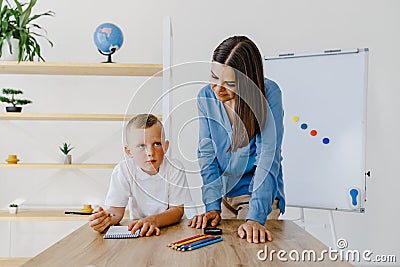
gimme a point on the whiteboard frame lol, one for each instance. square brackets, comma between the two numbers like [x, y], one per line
[364, 122]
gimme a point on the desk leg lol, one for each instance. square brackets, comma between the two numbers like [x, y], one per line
[302, 218]
[333, 229]
[300, 221]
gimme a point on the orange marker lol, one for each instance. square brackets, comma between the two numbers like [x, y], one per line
[183, 240]
[190, 241]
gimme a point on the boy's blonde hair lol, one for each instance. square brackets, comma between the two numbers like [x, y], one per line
[143, 121]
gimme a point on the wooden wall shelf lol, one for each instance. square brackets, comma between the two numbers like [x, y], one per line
[66, 117]
[91, 69]
[56, 166]
[44, 215]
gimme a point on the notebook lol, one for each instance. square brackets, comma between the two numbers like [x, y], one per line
[117, 232]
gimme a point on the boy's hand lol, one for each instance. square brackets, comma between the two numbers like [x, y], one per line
[100, 220]
[201, 221]
[147, 225]
[254, 232]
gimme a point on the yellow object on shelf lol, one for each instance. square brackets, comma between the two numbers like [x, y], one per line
[12, 159]
[87, 208]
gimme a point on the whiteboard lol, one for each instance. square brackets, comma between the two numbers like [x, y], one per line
[324, 100]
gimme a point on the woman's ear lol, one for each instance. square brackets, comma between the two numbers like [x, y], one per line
[166, 146]
[128, 151]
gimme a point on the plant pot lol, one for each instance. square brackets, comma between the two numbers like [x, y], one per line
[68, 159]
[13, 210]
[13, 109]
[5, 55]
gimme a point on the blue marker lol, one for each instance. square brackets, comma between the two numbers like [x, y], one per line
[206, 244]
[201, 241]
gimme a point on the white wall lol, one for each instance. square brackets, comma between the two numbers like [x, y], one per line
[198, 26]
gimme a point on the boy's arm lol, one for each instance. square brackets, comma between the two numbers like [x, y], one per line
[117, 198]
[152, 223]
[116, 214]
[168, 217]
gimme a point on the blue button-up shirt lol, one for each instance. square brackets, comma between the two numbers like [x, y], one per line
[254, 170]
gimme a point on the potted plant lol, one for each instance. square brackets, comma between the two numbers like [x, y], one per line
[7, 42]
[18, 22]
[12, 100]
[65, 149]
[13, 208]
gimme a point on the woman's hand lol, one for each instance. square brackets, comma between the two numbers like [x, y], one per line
[254, 231]
[201, 221]
[100, 220]
[146, 225]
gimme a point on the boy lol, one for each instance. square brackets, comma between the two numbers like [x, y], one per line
[156, 188]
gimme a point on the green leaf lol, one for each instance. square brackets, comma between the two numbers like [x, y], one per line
[22, 101]
[9, 91]
[5, 99]
[16, 22]
[66, 148]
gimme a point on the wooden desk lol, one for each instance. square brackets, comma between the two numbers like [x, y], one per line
[86, 247]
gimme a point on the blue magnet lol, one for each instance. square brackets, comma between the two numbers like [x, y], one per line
[325, 140]
[304, 126]
[355, 197]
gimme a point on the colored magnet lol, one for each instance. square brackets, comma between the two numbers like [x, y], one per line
[325, 140]
[295, 118]
[313, 132]
[303, 126]
[354, 194]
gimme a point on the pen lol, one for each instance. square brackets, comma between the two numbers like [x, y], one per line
[85, 213]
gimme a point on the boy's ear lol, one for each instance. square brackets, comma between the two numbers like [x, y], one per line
[166, 146]
[128, 151]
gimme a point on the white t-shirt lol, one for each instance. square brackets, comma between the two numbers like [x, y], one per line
[147, 194]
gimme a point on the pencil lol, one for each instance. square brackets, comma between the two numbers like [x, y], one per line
[190, 241]
[185, 247]
[78, 212]
[85, 213]
[183, 240]
[206, 244]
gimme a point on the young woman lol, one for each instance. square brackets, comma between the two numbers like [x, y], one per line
[240, 136]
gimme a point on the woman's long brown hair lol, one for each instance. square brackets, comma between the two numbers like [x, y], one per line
[240, 53]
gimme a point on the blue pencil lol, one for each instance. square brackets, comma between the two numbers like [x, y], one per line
[206, 244]
[185, 247]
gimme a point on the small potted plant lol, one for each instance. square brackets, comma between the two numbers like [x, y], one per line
[13, 208]
[19, 26]
[65, 149]
[12, 100]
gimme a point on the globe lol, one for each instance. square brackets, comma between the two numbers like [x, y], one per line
[108, 38]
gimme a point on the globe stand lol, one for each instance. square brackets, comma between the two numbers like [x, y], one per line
[108, 55]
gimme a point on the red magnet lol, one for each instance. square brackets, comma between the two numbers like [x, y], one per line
[313, 132]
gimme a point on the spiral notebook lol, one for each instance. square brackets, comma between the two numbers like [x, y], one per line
[119, 232]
